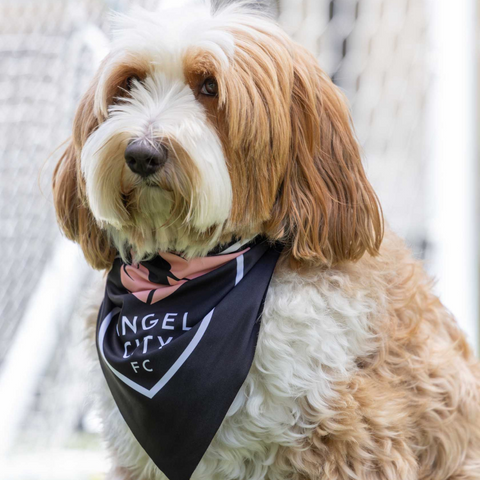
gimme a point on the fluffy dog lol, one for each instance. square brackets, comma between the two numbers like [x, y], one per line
[203, 127]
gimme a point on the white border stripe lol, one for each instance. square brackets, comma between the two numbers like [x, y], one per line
[239, 270]
[236, 246]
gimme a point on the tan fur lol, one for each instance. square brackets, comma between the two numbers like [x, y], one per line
[115, 85]
[287, 134]
[412, 409]
[327, 209]
[71, 205]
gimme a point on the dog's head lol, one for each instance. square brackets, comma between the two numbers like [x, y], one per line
[200, 127]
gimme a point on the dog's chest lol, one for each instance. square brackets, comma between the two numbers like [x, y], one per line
[310, 335]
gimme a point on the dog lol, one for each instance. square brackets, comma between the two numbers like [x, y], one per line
[205, 127]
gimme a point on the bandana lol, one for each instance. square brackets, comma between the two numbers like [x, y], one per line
[176, 340]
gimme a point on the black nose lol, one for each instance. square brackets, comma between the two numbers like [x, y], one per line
[145, 158]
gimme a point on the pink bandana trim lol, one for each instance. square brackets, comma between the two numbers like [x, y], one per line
[135, 277]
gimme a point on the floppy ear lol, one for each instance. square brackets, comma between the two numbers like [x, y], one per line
[326, 211]
[73, 215]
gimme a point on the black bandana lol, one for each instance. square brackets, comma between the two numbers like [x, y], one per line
[176, 340]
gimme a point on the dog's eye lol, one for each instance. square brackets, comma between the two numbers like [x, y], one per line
[209, 87]
[130, 81]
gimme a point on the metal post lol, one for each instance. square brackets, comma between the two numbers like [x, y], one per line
[454, 226]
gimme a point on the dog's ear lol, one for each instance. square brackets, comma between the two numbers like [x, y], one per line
[326, 210]
[73, 214]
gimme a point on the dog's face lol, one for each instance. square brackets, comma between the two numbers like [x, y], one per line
[202, 127]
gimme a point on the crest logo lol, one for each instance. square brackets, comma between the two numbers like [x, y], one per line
[150, 392]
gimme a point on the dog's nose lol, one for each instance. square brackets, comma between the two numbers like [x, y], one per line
[145, 158]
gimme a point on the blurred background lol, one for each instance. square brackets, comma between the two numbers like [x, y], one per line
[409, 69]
